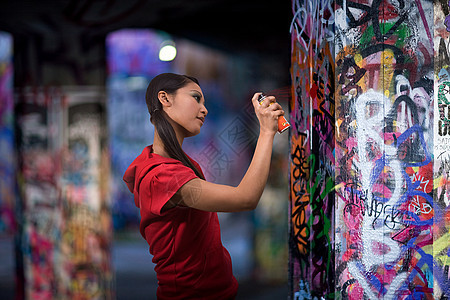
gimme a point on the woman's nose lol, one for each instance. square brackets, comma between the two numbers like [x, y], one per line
[204, 110]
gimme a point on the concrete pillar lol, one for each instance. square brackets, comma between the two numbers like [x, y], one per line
[370, 210]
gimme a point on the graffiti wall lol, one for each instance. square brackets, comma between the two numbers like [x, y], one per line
[384, 147]
[312, 115]
[64, 232]
[441, 221]
[379, 170]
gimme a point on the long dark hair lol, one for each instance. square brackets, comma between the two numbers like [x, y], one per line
[169, 83]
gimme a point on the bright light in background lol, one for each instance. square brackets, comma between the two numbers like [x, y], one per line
[168, 51]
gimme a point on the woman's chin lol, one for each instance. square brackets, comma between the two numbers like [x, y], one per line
[192, 133]
[195, 133]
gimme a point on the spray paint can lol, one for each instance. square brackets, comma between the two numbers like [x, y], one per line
[283, 124]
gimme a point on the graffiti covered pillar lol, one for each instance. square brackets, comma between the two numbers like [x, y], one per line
[369, 212]
[64, 223]
[441, 224]
[312, 118]
[384, 165]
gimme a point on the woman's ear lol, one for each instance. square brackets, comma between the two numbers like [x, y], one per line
[164, 99]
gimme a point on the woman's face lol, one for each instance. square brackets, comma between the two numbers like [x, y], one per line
[187, 110]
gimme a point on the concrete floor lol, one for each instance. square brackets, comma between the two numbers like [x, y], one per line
[135, 277]
[7, 268]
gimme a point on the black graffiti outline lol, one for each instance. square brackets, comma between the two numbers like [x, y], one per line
[322, 247]
[347, 63]
[300, 163]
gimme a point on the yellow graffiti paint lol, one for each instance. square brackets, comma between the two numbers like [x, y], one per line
[442, 243]
[387, 69]
[439, 247]
[438, 182]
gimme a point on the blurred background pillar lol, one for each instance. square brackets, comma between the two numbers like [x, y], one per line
[132, 59]
[65, 224]
[7, 149]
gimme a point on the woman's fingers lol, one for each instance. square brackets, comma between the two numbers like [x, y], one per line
[268, 101]
[268, 111]
[255, 99]
[274, 106]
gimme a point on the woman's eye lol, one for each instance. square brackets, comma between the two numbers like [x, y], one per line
[196, 97]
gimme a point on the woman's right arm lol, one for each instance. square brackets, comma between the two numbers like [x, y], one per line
[208, 196]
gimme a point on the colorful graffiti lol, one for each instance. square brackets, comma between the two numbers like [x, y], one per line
[312, 115]
[64, 227]
[388, 154]
[441, 222]
[384, 147]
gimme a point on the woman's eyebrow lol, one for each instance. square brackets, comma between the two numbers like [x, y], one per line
[197, 92]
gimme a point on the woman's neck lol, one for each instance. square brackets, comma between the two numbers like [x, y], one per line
[158, 145]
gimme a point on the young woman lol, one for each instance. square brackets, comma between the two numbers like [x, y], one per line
[177, 206]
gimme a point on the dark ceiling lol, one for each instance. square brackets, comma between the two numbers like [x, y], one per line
[246, 26]
[62, 41]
